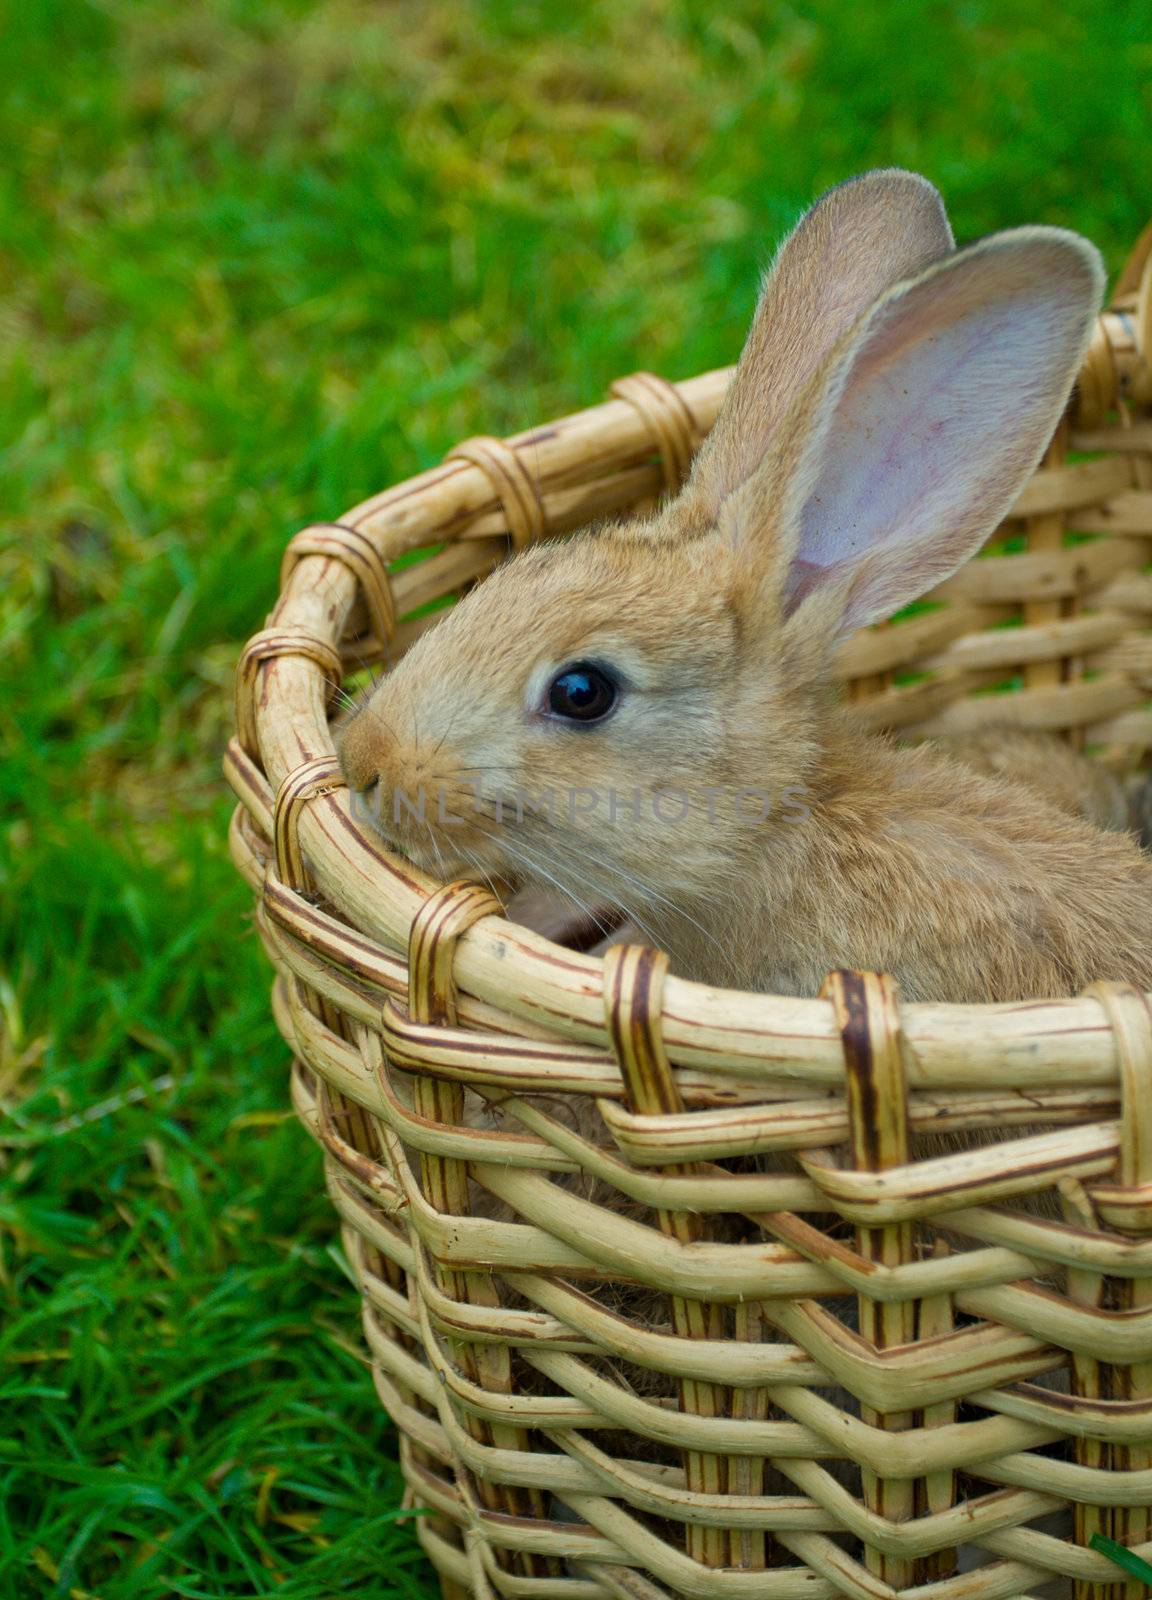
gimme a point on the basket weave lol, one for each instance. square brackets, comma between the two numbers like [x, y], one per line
[897, 1380]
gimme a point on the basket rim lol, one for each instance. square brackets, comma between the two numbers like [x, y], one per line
[950, 1045]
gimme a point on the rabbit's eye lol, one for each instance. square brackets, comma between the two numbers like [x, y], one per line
[582, 693]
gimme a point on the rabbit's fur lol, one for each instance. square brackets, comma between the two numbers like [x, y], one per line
[1050, 767]
[892, 399]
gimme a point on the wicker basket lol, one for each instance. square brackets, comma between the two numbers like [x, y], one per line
[904, 1377]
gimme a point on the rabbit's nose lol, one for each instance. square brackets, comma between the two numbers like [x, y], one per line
[364, 751]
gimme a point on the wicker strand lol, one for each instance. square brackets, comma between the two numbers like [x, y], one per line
[339, 541]
[268, 645]
[1045, 532]
[311, 781]
[1126, 1204]
[306, 783]
[1096, 387]
[633, 994]
[345, 1127]
[443, 919]
[669, 420]
[868, 1016]
[514, 487]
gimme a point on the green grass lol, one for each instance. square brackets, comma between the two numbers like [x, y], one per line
[257, 259]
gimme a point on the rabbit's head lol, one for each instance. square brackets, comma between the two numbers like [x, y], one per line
[636, 713]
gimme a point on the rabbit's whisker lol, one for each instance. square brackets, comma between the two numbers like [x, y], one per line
[439, 858]
[475, 862]
[359, 703]
[613, 869]
[528, 858]
[605, 888]
[536, 869]
[653, 894]
[450, 729]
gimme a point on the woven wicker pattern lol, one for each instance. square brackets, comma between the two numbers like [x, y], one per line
[757, 1337]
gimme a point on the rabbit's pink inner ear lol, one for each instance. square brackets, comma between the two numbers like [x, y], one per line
[853, 245]
[934, 416]
[803, 578]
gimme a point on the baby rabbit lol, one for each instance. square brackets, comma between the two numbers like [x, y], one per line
[1047, 764]
[642, 715]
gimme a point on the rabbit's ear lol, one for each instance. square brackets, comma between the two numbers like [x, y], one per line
[855, 243]
[918, 435]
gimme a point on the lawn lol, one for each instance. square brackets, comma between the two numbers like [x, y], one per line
[257, 260]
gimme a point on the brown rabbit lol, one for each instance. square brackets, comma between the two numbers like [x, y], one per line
[1048, 765]
[643, 715]
[1043, 762]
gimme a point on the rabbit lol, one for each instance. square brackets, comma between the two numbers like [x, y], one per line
[1048, 765]
[642, 715]
[1040, 761]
